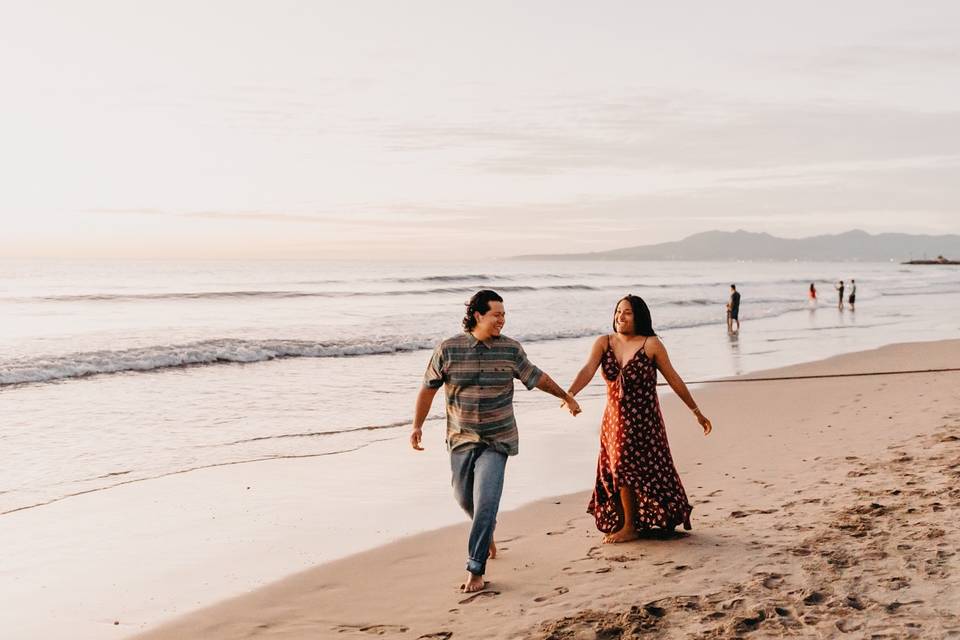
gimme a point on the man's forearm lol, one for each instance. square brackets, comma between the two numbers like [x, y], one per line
[547, 384]
[422, 408]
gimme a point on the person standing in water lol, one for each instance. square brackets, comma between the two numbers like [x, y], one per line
[637, 486]
[853, 294]
[813, 295]
[733, 309]
[477, 368]
[839, 287]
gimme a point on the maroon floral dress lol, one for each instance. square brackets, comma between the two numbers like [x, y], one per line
[634, 452]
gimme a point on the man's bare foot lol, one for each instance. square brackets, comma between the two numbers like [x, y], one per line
[624, 535]
[493, 550]
[473, 584]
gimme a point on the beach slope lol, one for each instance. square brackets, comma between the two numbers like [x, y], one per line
[822, 507]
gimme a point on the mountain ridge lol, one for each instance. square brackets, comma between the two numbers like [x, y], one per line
[853, 245]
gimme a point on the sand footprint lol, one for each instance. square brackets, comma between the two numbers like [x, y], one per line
[751, 512]
[783, 612]
[751, 623]
[622, 558]
[772, 581]
[594, 553]
[558, 591]
[895, 605]
[847, 626]
[478, 595]
[898, 582]
[373, 629]
[814, 598]
[569, 525]
[672, 571]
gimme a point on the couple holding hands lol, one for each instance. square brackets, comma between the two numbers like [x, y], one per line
[637, 486]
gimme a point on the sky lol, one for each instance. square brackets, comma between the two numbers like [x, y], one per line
[436, 129]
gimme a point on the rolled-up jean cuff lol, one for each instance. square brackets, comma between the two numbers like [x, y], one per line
[475, 567]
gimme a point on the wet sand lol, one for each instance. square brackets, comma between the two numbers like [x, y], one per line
[822, 507]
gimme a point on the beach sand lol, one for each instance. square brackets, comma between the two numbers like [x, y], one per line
[822, 507]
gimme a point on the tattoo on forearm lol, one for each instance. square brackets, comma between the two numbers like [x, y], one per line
[552, 388]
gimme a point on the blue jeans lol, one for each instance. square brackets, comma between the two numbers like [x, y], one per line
[477, 486]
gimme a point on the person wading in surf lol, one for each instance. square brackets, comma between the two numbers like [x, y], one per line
[477, 369]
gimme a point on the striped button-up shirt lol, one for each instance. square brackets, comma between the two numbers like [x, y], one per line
[478, 377]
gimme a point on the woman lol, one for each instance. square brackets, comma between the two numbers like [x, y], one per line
[813, 295]
[637, 486]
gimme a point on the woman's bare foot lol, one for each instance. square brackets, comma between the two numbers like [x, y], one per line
[473, 584]
[623, 535]
[493, 550]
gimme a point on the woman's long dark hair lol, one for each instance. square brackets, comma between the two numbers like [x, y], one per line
[642, 324]
[480, 303]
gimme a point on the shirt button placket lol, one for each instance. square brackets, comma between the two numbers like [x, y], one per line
[480, 365]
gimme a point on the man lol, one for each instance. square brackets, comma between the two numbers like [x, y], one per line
[477, 368]
[853, 294]
[840, 287]
[733, 309]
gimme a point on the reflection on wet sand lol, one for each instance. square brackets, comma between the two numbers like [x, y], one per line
[735, 360]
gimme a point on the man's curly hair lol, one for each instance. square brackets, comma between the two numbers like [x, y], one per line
[480, 303]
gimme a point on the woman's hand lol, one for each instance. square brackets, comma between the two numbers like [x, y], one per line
[704, 422]
[571, 405]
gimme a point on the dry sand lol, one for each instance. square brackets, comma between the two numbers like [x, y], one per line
[822, 508]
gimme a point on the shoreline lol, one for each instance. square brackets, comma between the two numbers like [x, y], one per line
[286, 409]
[747, 474]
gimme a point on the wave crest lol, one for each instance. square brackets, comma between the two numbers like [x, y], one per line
[258, 294]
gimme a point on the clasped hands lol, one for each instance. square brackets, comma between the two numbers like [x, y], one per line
[571, 405]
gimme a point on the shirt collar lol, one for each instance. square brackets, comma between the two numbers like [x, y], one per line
[473, 342]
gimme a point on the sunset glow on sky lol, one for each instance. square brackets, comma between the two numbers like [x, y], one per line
[405, 130]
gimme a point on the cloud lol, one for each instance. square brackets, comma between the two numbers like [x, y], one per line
[357, 215]
[920, 193]
[215, 215]
[256, 217]
[127, 212]
[886, 58]
[614, 137]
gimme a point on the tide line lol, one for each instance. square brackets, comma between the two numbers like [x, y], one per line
[820, 376]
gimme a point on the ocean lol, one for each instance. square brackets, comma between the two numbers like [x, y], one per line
[119, 372]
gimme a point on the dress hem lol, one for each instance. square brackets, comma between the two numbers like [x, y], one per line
[669, 523]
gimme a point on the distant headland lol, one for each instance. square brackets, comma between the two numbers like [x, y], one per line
[939, 260]
[856, 245]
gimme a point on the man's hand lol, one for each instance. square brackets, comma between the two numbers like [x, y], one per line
[571, 405]
[415, 438]
[424, 399]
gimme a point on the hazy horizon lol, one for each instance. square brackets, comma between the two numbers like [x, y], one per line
[410, 131]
